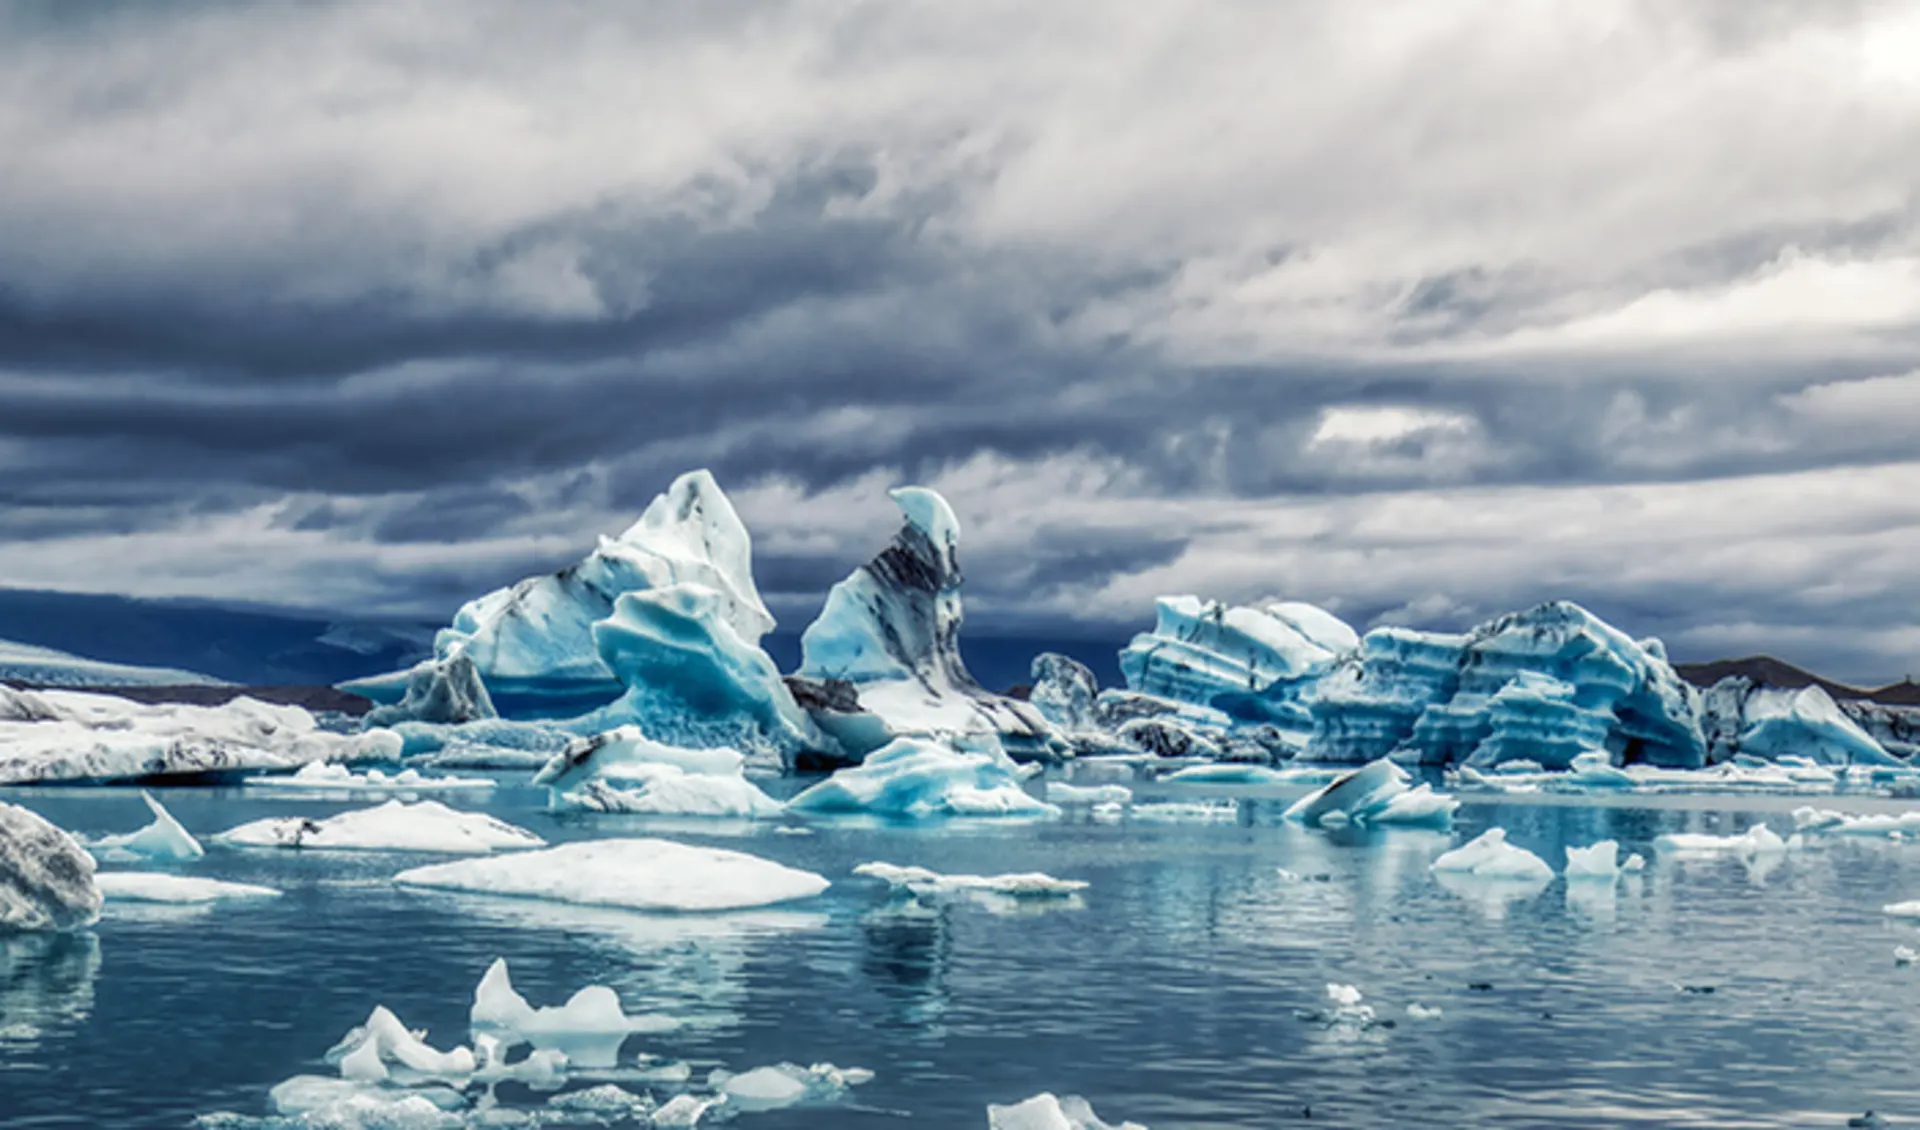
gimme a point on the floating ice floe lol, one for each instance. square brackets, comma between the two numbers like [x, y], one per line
[785, 1085]
[1490, 856]
[318, 1102]
[588, 1029]
[1909, 909]
[1904, 955]
[162, 839]
[1825, 822]
[1228, 773]
[917, 778]
[1066, 795]
[1755, 841]
[623, 770]
[147, 886]
[75, 736]
[1418, 1011]
[922, 882]
[394, 826]
[1592, 772]
[324, 776]
[1045, 1111]
[1376, 793]
[46, 877]
[1598, 862]
[368, 1052]
[637, 874]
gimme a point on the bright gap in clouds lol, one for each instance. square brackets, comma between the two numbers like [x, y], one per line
[1384, 424]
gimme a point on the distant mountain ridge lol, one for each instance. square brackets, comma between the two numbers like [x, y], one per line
[1765, 670]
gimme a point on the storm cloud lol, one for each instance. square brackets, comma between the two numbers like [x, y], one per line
[1420, 311]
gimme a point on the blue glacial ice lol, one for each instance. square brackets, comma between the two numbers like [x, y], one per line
[623, 770]
[1378, 793]
[693, 680]
[918, 778]
[1806, 723]
[532, 642]
[1252, 664]
[1542, 685]
[890, 634]
[46, 877]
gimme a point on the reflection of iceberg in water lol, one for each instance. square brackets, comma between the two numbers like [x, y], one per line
[1490, 895]
[693, 966]
[1595, 903]
[907, 954]
[46, 983]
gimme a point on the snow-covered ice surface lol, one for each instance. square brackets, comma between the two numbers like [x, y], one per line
[638, 874]
[326, 777]
[164, 838]
[48, 667]
[150, 886]
[394, 826]
[48, 736]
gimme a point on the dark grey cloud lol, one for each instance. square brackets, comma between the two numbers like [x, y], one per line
[381, 305]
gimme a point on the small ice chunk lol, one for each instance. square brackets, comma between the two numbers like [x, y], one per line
[1634, 863]
[1598, 862]
[1044, 1111]
[1065, 795]
[396, 1043]
[670, 792]
[590, 1027]
[146, 886]
[1344, 996]
[921, 881]
[162, 839]
[786, 1084]
[394, 826]
[607, 1098]
[1756, 840]
[321, 776]
[921, 779]
[1418, 1011]
[1376, 793]
[1227, 773]
[1909, 909]
[1490, 856]
[682, 1111]
[1820, 821]
[638, 874]
[1904, 955]
[357, 1104]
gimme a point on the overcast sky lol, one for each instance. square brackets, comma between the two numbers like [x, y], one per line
[1420, 311]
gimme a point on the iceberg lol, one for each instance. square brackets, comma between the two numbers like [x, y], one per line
[1806, 723]
[637, 874]
[442, 692]
[1252, 664]
[147, 886]
[394, 826]
[46, 877]
[532, 642]
[1823, 822]
[692, 679]
[48, 736]
[668, 780]
[162, 839]
[1376, 793]
[1544, 685]
[918, 779]
[1596, 862]
[1490, 856]
[1044, 1111]
[588, 1029]
[1067, 795]
[890, 632]
[1064, 692]
[923, 883]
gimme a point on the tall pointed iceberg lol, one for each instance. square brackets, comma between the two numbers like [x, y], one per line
[890, 633]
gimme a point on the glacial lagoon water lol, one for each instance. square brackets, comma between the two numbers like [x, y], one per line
[1701, 993]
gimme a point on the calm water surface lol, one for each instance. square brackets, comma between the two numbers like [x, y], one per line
[1167, 994]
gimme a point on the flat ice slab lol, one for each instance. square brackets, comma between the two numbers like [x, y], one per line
[393, 826]
[321, 776]
[146, 886]
[921, 881]
[638, 874]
